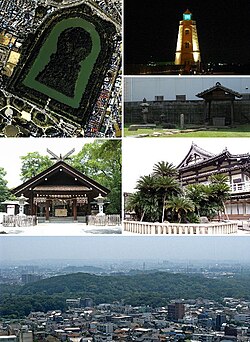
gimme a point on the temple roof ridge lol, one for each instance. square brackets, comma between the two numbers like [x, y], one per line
[197, 156]
[195, 153]
[202, 150]
[218, 85]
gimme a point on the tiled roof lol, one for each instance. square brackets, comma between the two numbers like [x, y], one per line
[221, 87]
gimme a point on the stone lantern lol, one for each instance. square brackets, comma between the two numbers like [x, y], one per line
[22, 202]
[144, 109]
[100, 203]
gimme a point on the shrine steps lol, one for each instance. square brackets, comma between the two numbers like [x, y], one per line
[80, 219]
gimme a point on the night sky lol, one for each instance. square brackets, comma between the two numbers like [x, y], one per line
[151, 29]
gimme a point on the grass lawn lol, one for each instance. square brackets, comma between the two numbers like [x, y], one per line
[241, 131]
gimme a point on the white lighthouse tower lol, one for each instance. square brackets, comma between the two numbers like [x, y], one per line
[187, 49]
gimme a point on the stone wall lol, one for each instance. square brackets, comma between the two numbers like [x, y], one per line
[192, 110]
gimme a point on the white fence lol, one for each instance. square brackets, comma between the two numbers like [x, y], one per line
[214, 228]
[19, 221]
[105, 220]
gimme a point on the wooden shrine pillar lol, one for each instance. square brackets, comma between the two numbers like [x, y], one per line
[47, 210]
[75, 209]
[232, 112]
[207, 110]
[33, 206]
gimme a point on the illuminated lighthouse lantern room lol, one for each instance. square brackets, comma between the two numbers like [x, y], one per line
[187, 49]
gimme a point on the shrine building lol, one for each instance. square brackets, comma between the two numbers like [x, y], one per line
[223, 97]
[60, 192]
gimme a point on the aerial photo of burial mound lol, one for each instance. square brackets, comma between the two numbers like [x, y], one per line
[64, 63]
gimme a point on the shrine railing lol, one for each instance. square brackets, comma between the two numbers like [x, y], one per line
[19, 221]
[105, 220]
[213, 228]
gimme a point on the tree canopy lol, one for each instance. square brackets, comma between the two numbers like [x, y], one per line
[209, 199]
[32, 164]
[102, 161]
[181, 206]
[142, 288]
[4, 190]
[152, 192]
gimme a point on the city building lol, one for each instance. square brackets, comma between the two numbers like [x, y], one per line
[28, 278]
[176, 311]
[187, 49]
[86, 302]
[199, 164]
[26, 336]
[8, 338]
[4, 53]
[73, 303]
[219, 321]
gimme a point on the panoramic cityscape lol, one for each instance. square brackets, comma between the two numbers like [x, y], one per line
[127, 290]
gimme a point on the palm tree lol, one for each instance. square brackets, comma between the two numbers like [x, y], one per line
[219, 191]
[150, 207]
[144, 206]
[149, 200]
[146, 184]
[166, 183]
[164, 169]
[198, 194]
[134, 203]
[167, 187]
[181, 206]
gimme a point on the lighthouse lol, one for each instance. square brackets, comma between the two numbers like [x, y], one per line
[187, 49]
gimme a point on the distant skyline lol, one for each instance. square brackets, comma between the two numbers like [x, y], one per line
[124, 248]
[136, 88]
[140, 155]
[14, 149]
[151, 29]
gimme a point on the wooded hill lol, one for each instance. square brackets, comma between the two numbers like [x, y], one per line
[155, 289]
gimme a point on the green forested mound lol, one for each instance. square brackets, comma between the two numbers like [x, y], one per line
[154, 289]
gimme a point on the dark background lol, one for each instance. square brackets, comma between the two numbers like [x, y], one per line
[151, 29]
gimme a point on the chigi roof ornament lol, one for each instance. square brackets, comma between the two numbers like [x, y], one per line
[60, 157]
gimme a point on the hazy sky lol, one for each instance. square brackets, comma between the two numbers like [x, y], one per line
[136, 88]
[118, 248]
[139, 155]
[12, 149]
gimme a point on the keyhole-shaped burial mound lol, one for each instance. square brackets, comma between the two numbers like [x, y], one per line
[61, 73]
[66, 61]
